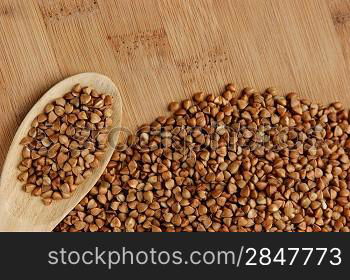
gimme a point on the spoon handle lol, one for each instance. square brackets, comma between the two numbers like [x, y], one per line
[11, 222]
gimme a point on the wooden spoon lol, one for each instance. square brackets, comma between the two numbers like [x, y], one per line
[19, 211]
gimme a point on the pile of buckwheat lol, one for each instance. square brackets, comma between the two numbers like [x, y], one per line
[256, 162]
[65, 143]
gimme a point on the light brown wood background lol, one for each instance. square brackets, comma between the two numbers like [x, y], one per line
[164, 50]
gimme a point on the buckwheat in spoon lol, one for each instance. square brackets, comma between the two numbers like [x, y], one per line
[59, 152]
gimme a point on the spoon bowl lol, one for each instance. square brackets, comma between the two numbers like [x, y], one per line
[19, 211]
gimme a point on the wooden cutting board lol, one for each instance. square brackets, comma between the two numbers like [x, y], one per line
[158, 51]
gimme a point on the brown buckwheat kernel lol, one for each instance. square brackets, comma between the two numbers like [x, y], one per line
[64, 144]
[253, 162]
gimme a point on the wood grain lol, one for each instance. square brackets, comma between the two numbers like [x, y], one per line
[340, 13]
[157, 51]
[27, 62]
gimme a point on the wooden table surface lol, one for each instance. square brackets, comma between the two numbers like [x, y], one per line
[157, 51]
